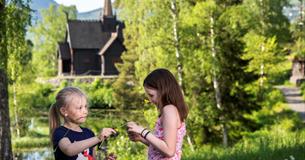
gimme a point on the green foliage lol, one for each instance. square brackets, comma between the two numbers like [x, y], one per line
[267, 18]
[299, 49]
[151, 116]
[18, 18]
[3, 41]
[99, 93]
[273, 111]
[144, 46]
[277, 143]
[261, 52]
[47, 33]
[226, 66]
[34, 96]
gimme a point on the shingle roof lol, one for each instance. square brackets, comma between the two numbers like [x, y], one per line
[87, 34]
[64, 51]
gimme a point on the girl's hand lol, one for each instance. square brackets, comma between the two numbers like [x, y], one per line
[133, 127]
[105, 133]
[134, 136]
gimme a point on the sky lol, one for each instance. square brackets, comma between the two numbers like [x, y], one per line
[83, 5]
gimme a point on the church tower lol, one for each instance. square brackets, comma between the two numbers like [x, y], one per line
[108, 19]
[107, 9]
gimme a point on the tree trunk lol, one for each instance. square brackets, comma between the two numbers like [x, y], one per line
[216, 84]
[16, 109]
[262, 69]
[174, 13]
[5, 132]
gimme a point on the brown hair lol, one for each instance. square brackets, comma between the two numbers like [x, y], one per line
[168, 89]
[62, 99]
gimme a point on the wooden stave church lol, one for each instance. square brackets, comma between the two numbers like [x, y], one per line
[92, 47]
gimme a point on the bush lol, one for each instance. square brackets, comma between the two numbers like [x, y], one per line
[100, 93]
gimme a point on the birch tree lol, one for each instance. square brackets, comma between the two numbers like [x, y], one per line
[18, 18]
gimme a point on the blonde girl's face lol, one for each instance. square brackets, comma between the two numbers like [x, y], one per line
[77, 110]
[152, 95]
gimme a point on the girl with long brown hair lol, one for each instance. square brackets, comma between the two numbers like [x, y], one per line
[164, 91]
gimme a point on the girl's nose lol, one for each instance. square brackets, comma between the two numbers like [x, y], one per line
[85, 110]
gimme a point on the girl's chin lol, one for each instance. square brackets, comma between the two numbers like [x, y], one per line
[82, 120]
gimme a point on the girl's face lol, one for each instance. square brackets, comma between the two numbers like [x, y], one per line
[77, 110]
[152, 95]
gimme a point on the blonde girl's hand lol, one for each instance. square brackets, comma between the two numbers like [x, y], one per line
[105, 133]
[133, 127]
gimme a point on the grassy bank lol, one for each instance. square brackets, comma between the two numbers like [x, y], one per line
[277, 144]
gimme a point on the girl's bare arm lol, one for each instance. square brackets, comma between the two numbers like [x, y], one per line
[72, 149]
[170, 125]
[170, 120]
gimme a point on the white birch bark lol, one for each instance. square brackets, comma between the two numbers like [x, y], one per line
[215, 81]
[16, 110]
[174, 13]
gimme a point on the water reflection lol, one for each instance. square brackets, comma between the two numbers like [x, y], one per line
[44, 154]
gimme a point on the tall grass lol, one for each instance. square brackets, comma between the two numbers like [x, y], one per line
[263, 145]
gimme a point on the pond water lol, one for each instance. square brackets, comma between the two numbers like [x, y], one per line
[41, 154]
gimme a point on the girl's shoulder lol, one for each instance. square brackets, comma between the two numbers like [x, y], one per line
[170, 113]
[60, 130]
[169, 109]
[59, 133]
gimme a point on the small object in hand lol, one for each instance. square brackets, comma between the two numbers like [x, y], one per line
[114, 134]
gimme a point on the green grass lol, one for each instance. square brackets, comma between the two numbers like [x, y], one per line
[264, 145]
[30, 143]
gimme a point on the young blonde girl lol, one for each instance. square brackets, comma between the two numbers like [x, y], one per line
[70, 140]
[163, 90]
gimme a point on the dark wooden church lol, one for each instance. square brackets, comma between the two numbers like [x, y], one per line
[92, 47]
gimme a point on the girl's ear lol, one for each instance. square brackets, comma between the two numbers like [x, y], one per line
[63, 111]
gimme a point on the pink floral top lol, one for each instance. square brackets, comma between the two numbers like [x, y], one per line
[154, 154]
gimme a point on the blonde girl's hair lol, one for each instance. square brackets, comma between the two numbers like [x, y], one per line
[168, 89]
[61, 100]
